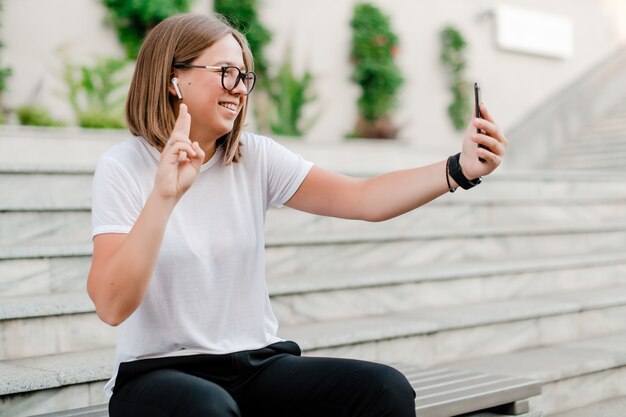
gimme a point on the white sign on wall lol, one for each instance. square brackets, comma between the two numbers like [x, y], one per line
[532, 32]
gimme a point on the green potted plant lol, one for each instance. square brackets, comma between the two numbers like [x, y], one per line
[96, 94]
[134, 19]
[374, 47]
[289, 95]
[5, 72]
[452, 56]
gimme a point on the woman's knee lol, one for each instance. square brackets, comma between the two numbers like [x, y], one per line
[393, 392]
[215, 406]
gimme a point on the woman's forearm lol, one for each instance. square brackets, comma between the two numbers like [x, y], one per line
[399, 192]
[118, 283]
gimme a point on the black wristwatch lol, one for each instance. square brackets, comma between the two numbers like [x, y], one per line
[454, 170]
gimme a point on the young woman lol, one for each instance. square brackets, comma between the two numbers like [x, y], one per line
[178, 226]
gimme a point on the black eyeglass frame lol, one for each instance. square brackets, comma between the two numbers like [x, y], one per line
[241, 77]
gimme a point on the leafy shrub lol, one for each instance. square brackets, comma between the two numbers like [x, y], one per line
[36, 116]
[452, 56]
[289, 95]
[133, 19]
[5, 72]
[95, 94]
[101, 120]
[374, 46]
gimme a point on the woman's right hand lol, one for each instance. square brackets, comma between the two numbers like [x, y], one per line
[180, 159]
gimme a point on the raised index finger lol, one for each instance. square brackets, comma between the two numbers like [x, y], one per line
[183, 122]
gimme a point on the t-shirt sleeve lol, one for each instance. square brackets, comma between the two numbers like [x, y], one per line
[115, 200]
[285, 172]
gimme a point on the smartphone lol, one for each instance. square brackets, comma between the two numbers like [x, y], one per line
[478, 115]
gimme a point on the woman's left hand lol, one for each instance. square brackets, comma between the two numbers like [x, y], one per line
[494, 141]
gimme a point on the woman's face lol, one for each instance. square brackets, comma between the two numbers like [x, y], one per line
[213, 109]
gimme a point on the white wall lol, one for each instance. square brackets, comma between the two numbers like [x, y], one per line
[319, 34]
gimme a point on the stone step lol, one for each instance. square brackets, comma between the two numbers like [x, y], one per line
[50, 147]
[430, 336]
[615, 124]
[393, 339]
[54, 382]
[49, 324]
[34, 326]
[40, 269]
[18, 228]
[578, 376]
[595, 152]
[610, 153]
[593, 164]
[291, 255]
[45, 191]
[613, 407]
[66, 189]
[56, 227]
[607, 137]
[304, 298]
[617, 142]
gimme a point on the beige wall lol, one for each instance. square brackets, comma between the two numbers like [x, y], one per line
[319, 34]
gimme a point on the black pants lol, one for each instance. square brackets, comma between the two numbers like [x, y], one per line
[271, 382]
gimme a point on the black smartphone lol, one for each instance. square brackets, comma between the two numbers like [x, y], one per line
[478, 115]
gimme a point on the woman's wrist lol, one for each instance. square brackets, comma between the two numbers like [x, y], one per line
[455, 171]
[165, 202]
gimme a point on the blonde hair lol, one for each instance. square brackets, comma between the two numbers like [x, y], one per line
[178, 39]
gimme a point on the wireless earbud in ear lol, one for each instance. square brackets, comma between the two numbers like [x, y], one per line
[175, 84]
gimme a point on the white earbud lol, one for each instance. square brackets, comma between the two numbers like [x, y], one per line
[175, 84]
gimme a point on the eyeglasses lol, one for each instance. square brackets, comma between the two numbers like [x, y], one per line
[231, 76]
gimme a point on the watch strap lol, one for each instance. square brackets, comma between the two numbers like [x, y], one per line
[454, 169]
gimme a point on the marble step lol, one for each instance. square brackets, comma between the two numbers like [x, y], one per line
[34, 326]
[596, 164]
[592, 133]
[50, 324]
[609, 153]
[289, 255]
[54, 382]
[52, 190]
[305, 298]
[593, 164]
[45, 191]
[565, 366]
[579, 376]
[617, 142]
[486, 329]
[66, 319]
[614, 125]
[43, 228]
[50, 150]
[38, 266]
[525, 323]
[613, 407]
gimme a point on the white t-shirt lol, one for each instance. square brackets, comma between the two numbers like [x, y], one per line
[208, 292]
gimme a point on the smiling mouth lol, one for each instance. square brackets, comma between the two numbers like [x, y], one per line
[229, 106]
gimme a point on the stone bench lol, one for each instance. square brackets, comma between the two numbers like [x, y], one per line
[440, 393]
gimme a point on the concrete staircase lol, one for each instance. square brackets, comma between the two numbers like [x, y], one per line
[601, 146]
[525, 275]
